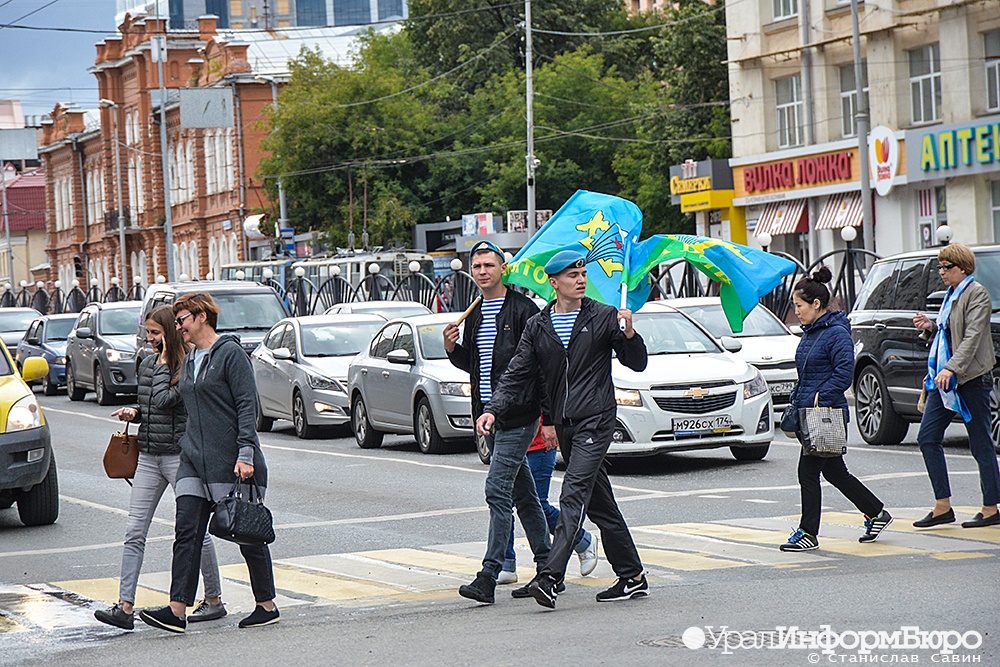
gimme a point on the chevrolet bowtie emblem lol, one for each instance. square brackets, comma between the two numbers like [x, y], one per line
[696, 393]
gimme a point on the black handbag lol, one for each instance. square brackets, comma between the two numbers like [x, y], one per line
[790, 421]
[241, 517]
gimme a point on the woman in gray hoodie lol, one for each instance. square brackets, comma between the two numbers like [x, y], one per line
[217, 385]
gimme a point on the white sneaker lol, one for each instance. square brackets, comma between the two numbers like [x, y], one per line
[507, 577]
[588, 558]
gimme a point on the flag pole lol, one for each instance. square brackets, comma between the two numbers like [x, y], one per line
[625, 278]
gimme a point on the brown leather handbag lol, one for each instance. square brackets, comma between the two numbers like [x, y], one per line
[122, 456]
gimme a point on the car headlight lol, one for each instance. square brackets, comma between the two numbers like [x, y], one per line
[755, 387]
[118, 355]
[60, 361]
[456, 389]
[320, 382]
[24, 415]
[630, 397]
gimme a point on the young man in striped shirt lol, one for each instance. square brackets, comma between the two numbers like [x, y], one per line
[571, 343]
[492, 332]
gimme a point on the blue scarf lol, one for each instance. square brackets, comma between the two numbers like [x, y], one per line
[940, 354]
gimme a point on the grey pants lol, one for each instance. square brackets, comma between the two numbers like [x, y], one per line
[153, 474]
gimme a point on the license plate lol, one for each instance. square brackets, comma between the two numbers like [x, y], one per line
[781, 388]
[693, 425]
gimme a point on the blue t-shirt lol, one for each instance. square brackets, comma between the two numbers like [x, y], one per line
[485, 338]
[563, 324]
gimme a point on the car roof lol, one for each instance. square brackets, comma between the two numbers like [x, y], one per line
[19, 310]
[344, 318]
[657, 307]
[691, 301]
[391, 304]
[933, 252]
[62, 316]
[117, 305]
[432, 318]
[211, 286]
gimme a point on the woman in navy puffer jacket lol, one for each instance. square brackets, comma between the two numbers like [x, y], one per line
[825, 364]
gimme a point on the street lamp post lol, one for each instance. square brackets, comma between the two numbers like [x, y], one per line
[861, 125]
[160, 55]
[529, 93]
[282, 205]
[108, 104]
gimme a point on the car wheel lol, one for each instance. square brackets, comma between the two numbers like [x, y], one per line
[264, 424]
[104, 397]
[74, 392]
[300, 419]
[39, 506]
[877, 419]
[750, 453]
[995, 412]
[483, 447]
[428, 439]
[49, 388]
[366, 436]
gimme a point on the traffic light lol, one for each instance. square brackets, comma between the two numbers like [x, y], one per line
[78, 266]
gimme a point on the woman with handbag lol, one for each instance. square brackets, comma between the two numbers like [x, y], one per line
[162, 419]
[959, 380]
[824, 361]
[220, 442]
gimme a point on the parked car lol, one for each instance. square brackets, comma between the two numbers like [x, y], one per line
[27, 465]
[13, 323]
[100, 351]
[890, 356]
[694, 394]
[246, 309]
[46, 337]
[301, 369]
[403, 383]
[387, 310]
[767, 343]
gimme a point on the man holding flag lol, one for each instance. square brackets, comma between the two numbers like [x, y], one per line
[570, 343]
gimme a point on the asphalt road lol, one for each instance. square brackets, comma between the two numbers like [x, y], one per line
[372, 545]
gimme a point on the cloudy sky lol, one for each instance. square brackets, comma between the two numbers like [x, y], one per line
[43, 67]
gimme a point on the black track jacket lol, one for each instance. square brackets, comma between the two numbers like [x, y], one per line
[577, 379]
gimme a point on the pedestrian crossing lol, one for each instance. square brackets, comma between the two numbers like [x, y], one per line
[673, 553]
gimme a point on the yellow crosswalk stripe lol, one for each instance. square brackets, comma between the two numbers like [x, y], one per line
[434, 560]
[106, 590]
[904, 524]
[679, 560]
[315, 584]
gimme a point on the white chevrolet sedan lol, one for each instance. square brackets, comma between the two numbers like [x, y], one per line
[694, 394]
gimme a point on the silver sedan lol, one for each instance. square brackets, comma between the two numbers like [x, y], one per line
[404, 383]
[301, 369]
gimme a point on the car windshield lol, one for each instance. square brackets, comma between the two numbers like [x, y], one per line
[760, 321]
[59, 329]
[432, 340]
[242, 312]
[16, 321]
[390, 310]
[337, 340]
[120, 321]
[672, 333]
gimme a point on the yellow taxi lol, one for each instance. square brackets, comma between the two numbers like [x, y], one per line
[27, 465]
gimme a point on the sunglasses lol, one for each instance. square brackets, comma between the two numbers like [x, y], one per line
[946, 267]
[180, 320]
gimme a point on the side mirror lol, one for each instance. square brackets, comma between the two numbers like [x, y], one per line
[34, 340]
[730, 344]
[795, 329]
[84, 332]
[282, 353]
[34, 368]
[934, 300]
[400, 357]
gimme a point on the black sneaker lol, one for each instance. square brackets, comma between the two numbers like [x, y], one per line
[543, 589]
[482, 589]
[206, 611]
[800, 540]
[164, 619]
[625, 589]
[875, 526]
[117, 617]
[260, 616]
[523, 592]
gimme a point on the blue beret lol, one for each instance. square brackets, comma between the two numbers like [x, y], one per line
[563, 260]
[484, 246]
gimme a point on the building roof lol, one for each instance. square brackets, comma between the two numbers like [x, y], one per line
[26, 201]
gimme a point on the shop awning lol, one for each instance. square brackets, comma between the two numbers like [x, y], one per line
[841, 210]
[784, 217]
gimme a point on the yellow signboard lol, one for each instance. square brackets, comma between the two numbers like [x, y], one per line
[680, 186]
[705, 201]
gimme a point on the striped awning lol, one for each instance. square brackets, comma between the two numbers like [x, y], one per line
[841, 210]
[784, 217]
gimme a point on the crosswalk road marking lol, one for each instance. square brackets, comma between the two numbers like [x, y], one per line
[672, 552]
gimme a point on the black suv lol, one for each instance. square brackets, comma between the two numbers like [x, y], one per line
[100, 351]
[890, 356]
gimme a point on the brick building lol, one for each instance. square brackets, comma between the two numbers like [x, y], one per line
[212, 172]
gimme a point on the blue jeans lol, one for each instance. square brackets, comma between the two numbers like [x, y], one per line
[542, 463]
[509, 484]
[976, 394]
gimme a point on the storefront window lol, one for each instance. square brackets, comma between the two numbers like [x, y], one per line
[788, 96]
[849, 97]
[925, 83]
[992, 43]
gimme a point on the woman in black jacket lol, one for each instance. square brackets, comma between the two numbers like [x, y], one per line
[162, 418]
[824, 362]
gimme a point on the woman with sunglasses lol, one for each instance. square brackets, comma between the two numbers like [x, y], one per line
[959, 380]
[162, 419]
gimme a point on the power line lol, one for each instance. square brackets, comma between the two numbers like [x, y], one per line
[612, 33]
[33, 11]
